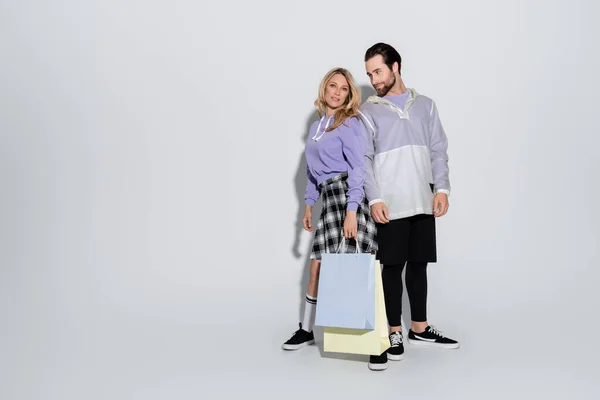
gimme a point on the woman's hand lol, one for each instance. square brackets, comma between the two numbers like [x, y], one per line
[307, 219]
[350, 225]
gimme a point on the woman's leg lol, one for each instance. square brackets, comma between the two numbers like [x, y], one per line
[304, 335]
[313, 282]
[310, 305]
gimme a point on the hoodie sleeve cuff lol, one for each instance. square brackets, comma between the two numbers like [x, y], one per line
[352, 206]
[375, 201]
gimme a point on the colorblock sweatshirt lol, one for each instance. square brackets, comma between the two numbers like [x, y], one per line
[406, 153]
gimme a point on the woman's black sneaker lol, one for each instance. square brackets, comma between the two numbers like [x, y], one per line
[300, 339]
[378, 363]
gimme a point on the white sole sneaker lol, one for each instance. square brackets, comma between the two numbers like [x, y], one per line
[297, 346]
[378, 367]
[393, 357]
[433, 344]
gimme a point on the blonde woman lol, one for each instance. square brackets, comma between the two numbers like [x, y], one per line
[335, 157]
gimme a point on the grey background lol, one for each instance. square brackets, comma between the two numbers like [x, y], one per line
[152, 175]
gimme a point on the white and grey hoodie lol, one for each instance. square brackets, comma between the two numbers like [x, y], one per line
[406, 150]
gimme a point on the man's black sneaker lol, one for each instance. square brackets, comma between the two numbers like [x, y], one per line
[396, 351]
[378, 363]
[431, 337]
[300, 339]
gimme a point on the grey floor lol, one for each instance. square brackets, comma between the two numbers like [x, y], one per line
[179, 351]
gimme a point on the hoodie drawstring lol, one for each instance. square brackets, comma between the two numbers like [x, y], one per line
[315, 138]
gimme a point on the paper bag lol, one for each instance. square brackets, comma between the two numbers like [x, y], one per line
[346, 291]
[362, 341]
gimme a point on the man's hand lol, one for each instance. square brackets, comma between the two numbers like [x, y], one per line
[440, 204]
[380, 213]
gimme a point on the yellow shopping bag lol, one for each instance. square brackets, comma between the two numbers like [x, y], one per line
[360, 341]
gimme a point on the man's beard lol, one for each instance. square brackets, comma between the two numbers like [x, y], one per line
[386, 87]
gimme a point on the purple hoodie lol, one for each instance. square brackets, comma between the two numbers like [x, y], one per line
[332, 153]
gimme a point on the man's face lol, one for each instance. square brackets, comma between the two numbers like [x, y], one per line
[381, 76]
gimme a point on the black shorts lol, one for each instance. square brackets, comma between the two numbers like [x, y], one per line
[407, 239]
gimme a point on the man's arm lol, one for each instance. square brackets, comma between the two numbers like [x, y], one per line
[379, 210]
[371, 187]
[438, 146]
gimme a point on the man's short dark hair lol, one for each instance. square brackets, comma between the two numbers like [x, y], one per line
[389, 54]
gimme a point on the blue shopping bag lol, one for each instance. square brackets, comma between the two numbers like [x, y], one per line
[346, 291]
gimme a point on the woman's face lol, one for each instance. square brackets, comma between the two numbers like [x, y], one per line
[336, 91]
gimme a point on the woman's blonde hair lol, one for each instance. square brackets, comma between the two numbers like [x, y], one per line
[351, 105]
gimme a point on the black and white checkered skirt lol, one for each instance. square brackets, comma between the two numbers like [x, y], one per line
[330, 228]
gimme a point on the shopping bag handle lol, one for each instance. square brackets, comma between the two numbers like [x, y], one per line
[343, 242]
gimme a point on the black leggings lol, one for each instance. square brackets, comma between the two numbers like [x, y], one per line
[416, 286]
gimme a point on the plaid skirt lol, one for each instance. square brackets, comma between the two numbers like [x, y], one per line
[330, 228]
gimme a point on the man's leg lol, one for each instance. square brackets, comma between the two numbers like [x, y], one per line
[391, 275]
[416, 286]
[421, 333]
[392, 290]
[423, 250]
[392, 243]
